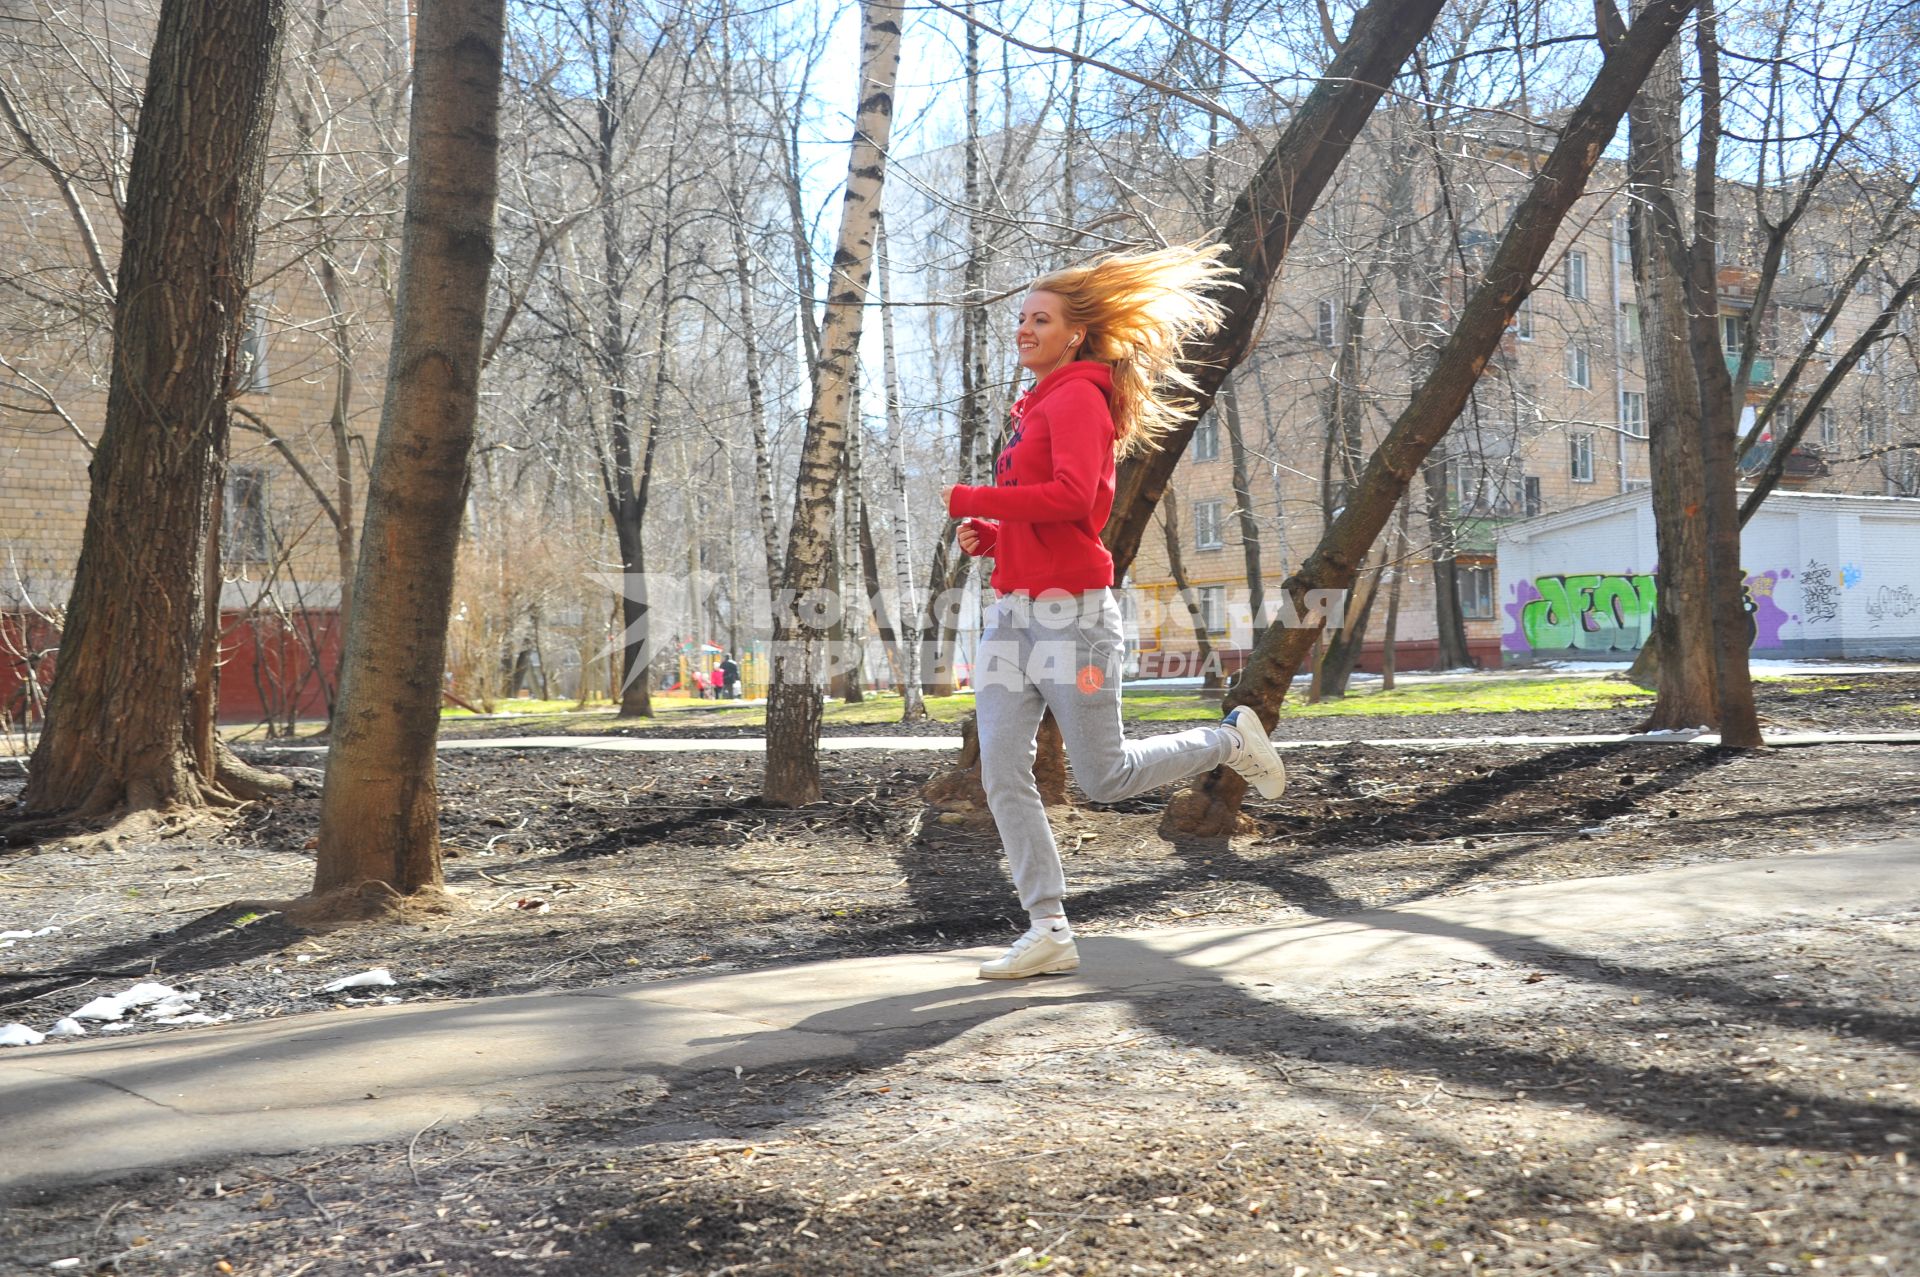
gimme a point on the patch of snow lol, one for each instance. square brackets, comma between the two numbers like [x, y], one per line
[114, 1005]
[67, 1027]
[17, 1034]
[365, 980]
[197, 1017]
[29, 935]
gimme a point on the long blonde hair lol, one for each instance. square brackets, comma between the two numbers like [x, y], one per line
[1138, 310]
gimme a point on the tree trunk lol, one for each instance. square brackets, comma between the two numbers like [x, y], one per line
[1212, 807]
[793, 703]
[1196, 615]
[379, 812]
[1228, 408]
[1391, 634]
[1342, 649]
[118, 719]
[1719, 420]
[1685, 663]
[1261, 228]
[913, 707]
[1450, 624]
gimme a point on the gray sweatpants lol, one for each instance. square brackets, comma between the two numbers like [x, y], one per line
[1064, 654]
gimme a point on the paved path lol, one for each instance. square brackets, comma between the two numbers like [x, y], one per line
[898, 744]
[381, 1073]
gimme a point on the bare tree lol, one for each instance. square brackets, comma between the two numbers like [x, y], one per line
[793, 706]
[118, 735]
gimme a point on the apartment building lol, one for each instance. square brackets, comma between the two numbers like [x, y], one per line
[316, 336]
[1560, 419]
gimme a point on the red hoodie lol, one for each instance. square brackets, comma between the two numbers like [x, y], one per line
[1052, 487]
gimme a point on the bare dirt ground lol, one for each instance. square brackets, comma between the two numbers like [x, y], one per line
[1740, 1106]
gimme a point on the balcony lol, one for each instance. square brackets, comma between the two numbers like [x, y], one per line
[1801, 466]
[1762, 371]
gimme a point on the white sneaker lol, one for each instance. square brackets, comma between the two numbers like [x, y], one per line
[1254, 757]
[1042, 951]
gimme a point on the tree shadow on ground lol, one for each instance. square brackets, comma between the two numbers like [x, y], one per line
[218, 938]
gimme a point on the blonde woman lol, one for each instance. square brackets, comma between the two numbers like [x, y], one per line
[1102, 342]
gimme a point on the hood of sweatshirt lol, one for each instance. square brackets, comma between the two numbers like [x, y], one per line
[1079, 370]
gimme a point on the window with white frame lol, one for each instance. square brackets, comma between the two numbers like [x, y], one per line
[1327, 328]
[245, 531]
[1213, 608]
[1206, 525]
[1623, 241]
[1206, 439]
[1733, 333]
[1821, 342]
[251, 375]
[1630, 336]
[1821, 267]
[1522, 325]
[1580, 367]
[1580, 456]
[1474, 581]
[1633, 413]
[1574, 273]
[1829, 428]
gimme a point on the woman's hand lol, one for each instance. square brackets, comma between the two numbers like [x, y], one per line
[969, 539]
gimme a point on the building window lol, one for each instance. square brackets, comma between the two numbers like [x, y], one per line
[1206, 439]
[1630, 337]
[1623, 241]
[1633, 413]
[1327, 328]
[1468, 493]
[1522, 324]
[1733, 334]
[1579, 367]
[1822, 267]
[1575, 271]
[1474, 581]
[1580, 456]
[251, 375]
[245, 534]
[1829, 428]
[1213, 608]
[1206, 525]
[1530, 495]
[1903, 399]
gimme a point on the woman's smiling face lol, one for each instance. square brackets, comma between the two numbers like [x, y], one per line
[1044, 338]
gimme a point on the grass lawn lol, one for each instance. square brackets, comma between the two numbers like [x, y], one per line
[1468, 696]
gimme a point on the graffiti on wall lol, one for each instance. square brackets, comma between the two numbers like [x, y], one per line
[1607, 612]
[1891, 603]
[1819, 593]
[1594, 612]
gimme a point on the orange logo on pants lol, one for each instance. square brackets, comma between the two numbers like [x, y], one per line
[1091, 679]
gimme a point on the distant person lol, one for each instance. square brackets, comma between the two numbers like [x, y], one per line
[1102, 342]
[730, 672]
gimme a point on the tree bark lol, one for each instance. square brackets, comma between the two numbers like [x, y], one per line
[1212, 807]
[118, 719]
[793, 702]
[1685, 666]
[1228, 406]
[379, 812]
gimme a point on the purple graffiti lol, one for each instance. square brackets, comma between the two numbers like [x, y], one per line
[1514, 639]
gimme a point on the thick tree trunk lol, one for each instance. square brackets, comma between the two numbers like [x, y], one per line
[1681, 633]
[793, 703]
[1719, 419]
[1391, 634]
[379, 813]
[1212, 807]
[1262, 226]
[1342, 648]
[118, 719]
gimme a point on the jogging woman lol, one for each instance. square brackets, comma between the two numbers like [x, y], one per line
[1102, 342]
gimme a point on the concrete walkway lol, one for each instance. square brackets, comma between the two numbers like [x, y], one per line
[383, 1073]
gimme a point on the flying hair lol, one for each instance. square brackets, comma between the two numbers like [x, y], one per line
[1139, 309]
